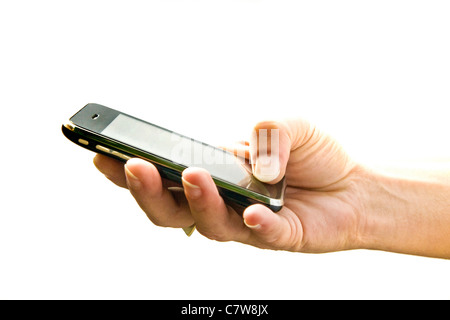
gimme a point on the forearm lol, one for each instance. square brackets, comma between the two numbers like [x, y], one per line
[406, 215]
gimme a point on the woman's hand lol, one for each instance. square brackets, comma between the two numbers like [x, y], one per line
[321, 207]
[331, 203]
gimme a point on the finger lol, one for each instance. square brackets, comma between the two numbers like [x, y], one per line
[112, 169]
[162, 207]
[270, 146]
[213, 218]
[272, 230]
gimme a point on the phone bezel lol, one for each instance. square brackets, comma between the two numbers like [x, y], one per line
[82, 126]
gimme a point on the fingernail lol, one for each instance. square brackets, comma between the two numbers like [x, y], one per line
[267, 168]
[256, 226]
[192, 191]
[132, 180]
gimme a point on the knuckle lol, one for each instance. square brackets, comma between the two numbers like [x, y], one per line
[213, 234]
[158, 221]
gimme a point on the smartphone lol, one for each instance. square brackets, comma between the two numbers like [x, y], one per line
[121, 136]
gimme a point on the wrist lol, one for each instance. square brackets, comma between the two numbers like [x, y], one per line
[380, 216]
[404, 214]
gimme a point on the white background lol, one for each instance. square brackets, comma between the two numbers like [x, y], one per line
[374, 74]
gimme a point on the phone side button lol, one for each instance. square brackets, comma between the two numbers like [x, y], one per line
[102, 148]
[84, 142]
[120, 155]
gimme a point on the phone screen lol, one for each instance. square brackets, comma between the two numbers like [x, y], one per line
[183, 150]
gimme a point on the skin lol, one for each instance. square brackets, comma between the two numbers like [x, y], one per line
[331, 202]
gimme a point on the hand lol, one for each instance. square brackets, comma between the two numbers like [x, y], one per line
[322, 211]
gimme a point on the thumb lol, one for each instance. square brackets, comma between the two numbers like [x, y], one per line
[270, 146]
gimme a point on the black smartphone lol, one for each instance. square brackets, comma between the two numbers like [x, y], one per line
[121, 136]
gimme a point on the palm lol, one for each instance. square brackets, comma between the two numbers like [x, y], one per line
[316, 218]
[319, 202]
